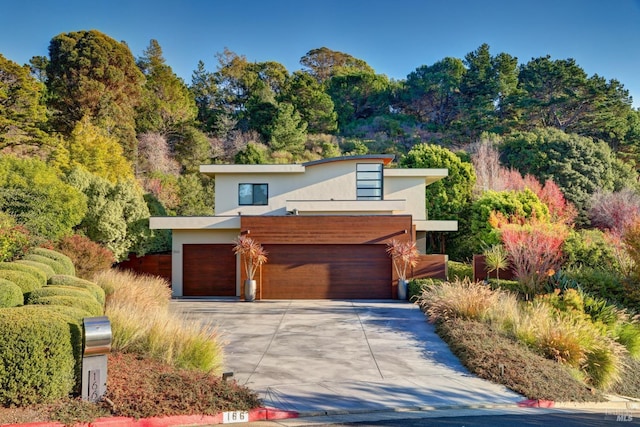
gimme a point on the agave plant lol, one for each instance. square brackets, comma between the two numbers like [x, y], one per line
[403, 255]
[252, 253]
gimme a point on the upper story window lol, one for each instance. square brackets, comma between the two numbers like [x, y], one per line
[369, 181]
[253, 194]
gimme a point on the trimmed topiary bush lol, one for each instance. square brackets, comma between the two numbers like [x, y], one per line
[10, 294]
[38, 274]
[37, 356]
[88, 303]
[459, 270]
[46, 269]
[65, 261]
[25, 281]
[64, 280]
[57, 266]
[61, 291]
[74, 317]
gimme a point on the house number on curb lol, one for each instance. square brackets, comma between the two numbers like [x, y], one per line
[235, 417]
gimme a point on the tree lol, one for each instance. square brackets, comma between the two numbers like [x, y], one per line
[90, 74]
[22, 113]
[191, 148]
[358, 95]
[35, 195]
[117, 216]
[447, 198]
[312, 102]
[167, 104]
[208, 102]
[90, 147]
[324, 63]
[288, 132]
[432, 93]
[154, 155]
[579, 165]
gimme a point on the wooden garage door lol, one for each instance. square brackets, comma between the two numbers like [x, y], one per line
[208, 270]
[326, 272]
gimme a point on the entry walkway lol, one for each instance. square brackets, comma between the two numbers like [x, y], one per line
[337, 357]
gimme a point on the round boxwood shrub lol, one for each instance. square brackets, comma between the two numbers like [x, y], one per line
[57, 266]
[65, 261]
[74, 317]
[63, 291]
[37, 357]
[46, 269]
[25, 281]
[10, 294]
[40, 275]
[88, 304]
[65, 280]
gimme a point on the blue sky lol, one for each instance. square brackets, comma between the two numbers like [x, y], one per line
[393, 36]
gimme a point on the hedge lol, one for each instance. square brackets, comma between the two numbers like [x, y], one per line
[74, 317]
[25, 281]
[67, 263]
[62, 291]
[88, 304]
[57, 266]
[10, 294]
[45, 268]
[37, 356]
[64, 280]
[40, 275]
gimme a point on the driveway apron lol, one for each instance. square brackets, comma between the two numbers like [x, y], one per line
[327, 357]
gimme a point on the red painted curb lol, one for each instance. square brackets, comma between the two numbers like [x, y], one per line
[536, 403]
[257, 414]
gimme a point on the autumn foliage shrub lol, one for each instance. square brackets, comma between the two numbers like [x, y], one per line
[88, 257]
[14, 239]
[535, 251]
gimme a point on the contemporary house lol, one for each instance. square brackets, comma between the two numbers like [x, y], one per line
[325, 225]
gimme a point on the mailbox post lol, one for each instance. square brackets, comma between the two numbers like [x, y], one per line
[96, 346]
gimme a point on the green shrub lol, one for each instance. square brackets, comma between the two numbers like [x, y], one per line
[38, 274]
[589, 248]
[67, 263]
[459, 270]
[507, 285]
[10, 294]
[46, 269]
[25, 281]
[74, 317]
[64, 280]
[606, 284]
[62, 291]
[416, 286]
[57, 266]
[37, 356]
[88, 304]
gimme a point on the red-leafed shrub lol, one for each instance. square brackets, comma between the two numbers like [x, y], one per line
[88, 256]
[614, 212]
[535, 251]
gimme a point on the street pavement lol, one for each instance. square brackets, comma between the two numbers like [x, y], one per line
[323, 358]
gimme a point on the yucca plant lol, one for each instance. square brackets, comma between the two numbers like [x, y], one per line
[496, 259]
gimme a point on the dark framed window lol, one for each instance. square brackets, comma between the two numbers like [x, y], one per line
[253, 194]
[369, 181]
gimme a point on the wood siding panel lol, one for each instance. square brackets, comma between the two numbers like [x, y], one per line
[315, 271]
[209, 270]
[153, 264]
[480, 270]
[294, 229]
[432, 266]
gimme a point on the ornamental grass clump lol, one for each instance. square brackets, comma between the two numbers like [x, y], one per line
[458, 299]
[142, 324]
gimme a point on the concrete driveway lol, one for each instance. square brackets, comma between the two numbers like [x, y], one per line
[337, 357]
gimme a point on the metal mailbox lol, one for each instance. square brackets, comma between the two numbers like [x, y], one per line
[97, 336]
